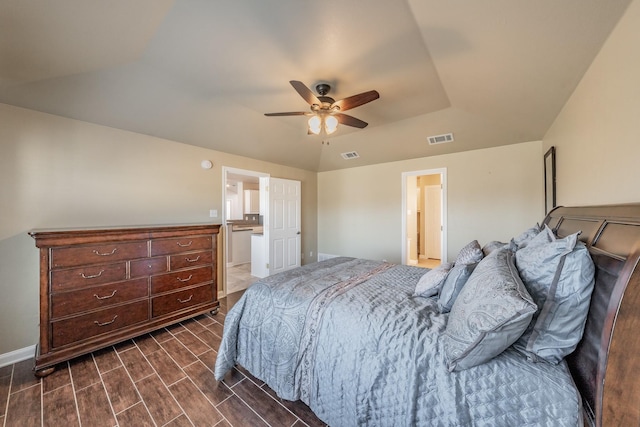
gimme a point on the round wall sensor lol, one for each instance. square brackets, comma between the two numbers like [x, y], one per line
[206, 164]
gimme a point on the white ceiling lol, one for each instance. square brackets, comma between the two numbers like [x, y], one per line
[204, 72]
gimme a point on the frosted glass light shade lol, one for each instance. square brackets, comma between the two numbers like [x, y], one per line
[330, 124]
[314, 125]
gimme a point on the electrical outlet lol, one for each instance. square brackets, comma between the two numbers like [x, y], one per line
[311, 254]
[213, 213]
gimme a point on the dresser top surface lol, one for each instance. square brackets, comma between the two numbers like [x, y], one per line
[52, 237]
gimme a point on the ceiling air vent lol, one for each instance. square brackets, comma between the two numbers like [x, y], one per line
[350, 155]
[440, 139]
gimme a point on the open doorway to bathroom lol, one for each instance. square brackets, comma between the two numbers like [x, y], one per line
[424, 217]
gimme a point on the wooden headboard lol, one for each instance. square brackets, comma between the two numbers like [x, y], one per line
[606, 363]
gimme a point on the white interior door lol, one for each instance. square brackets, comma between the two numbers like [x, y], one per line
[282, 227]
[433, 221]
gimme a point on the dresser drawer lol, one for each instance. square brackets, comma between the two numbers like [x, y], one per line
[99, 322]
[177, 262]
[75, 278]
[181, 300]
[68, 303]
[148, 266]
[180, 279]
[97, 254]
[184, 244]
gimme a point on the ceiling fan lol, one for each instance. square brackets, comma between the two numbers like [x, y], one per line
[326, 112]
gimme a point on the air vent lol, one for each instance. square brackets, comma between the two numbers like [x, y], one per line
[350, 155]
[440, 139]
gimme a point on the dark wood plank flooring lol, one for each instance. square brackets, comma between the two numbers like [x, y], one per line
[160, 379]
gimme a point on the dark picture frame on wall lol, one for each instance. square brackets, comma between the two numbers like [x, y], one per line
[549, 179]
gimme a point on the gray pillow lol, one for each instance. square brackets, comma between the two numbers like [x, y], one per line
[523, 239]
[492, 246]
[470, 254]
[453, 284]
[491, 312]
[559, 275]
[431, 282]
[466, 261]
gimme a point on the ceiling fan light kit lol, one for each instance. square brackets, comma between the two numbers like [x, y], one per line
[325, 111]
[318, 123]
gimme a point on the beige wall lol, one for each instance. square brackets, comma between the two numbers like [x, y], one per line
[597, 134]
[492, 194]
[57, 172]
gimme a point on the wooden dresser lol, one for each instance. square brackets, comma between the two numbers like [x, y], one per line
[102, 286]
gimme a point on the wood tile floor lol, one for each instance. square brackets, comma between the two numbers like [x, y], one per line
[161, 379]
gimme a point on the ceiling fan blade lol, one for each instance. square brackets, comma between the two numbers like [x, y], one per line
[292, 113]
[356, 100]
[305, 92]
[350, 121]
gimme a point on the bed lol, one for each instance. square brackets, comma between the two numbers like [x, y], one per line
[350, 338]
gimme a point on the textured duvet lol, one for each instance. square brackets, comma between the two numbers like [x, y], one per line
[347, 337]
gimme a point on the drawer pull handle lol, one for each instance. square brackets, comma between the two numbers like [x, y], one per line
[106, 323]
[95, 251]
[185, 280]
[186, 300]
[192, 260]
[186, 245]
[106, 296]
[92, 276]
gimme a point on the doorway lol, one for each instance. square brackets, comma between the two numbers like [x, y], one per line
[241, 219]
[424, 217]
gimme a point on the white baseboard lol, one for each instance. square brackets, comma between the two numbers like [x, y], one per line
[17, 356]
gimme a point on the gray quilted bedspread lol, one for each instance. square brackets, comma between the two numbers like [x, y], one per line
[347, 337]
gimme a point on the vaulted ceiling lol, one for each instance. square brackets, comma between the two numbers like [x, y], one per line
[204, 72]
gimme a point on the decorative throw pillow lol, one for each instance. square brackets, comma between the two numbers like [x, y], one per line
[470, 254]
[559, 275]
[453, 284]
[525, 237]
[492, 246]
[431, 282]
[491, 312]
[466, 261]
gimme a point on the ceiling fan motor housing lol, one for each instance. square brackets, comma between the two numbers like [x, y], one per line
[323, 89]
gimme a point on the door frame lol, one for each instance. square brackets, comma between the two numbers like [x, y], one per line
[443, 237]
[225, 171]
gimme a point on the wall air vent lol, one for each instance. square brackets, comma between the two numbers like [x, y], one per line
[350, 155]
[440, 139]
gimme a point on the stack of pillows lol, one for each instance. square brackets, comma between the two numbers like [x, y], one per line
[532, 293]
